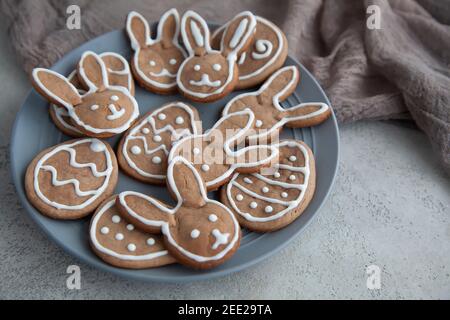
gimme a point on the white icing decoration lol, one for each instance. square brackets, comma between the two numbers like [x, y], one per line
[131, 247]
[152, 63]
[277, 174]
[197, 34]
[156, 160]
[147, 131]
[61, 112]
[179, 120]
[258, 123]
[205, 81]
[263, 49]
[116, 114]
[268, 209]
[253, 205]
[108, 251]
[265, 189]
[115, 218]
[205, 167]
[212, 218]
[221, 238]
[130, 227]
[114, 98]
[284, 194]
[196, 151]
[248, 180]
[242, 58]
[94, 194]
[292, 158]
[195, 234]
[119, 236]
[161, 116]
[239, 197]
[136, 150]
[173, 61]
[157, 138]
[104, 230]
[94, 107]
[150, 241]
[239, 33]
[292, 177]
[197, 67]
[217, 67]
[163, 73]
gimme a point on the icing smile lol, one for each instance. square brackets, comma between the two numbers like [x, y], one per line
[115, 114]
[163, 73]
[205, 81]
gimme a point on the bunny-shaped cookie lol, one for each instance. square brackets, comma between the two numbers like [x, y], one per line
[198, 232]
[156, 61]
[103, 111]
[208, 75]
[271, 116]
[213, 153]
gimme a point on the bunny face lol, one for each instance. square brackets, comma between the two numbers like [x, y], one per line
[213, 154]
[207, 74]
[156, 61]
[102, 111]
[198, 231]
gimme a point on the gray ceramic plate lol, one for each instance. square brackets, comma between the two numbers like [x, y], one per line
[34, 131]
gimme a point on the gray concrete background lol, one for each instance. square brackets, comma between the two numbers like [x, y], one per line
[390, 207]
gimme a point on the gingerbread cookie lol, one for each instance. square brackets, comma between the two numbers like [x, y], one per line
[103, 111]
[69, 180]
[156, 61]
[143, 150]
[208, 75]
[120, 244]
[213, 153]
[119, 74]
[270, 115]
[199, 232]
[266, 203]
[266, 54]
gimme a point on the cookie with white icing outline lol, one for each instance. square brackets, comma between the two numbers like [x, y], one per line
[265, 203]
[103, 111]
[69, 180]
[143, 150]
[119, 74]
[120, 244]
[266, 54]
[156, 60]
[270, 115]
[208, 75]
[214, 153]
[199, 232]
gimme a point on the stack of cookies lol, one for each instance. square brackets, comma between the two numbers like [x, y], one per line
[264, 184]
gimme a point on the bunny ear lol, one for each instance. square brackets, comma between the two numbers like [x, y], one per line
[169, 28]
[186, 183]
[55, 87]
[306, 114]
[281, 84]
[138, 30]
[92, 71]
[195, 34]
[238, 34]
[255, 157]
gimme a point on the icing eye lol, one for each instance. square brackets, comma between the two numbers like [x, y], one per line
[135, 150]
[152, 63]
[150, 241]
[217, 67]
[195, 233]
[197, 67]
[173, 61]
[114, 98]
[212, 218]
[119, 236]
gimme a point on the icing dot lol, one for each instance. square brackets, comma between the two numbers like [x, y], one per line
[135, 150]
[179, 120]
[248, 180]
[253, 204]
[119, 236]
[212, 218]
[205, 167]
[114, 98]
[94, 107]
[131, 247]
[97, 146]
[284, 194]
[265, 189]
[130, 227]
[156, 160]
[195, 233]
[150, 241]
[277, 174]
[239, 197]
[196, 151]
[217, 66]
[173, 61]
[152, 63]
[161, 116]
[145, 130]
[104, 230]
[157, 138]
[258, 123]
[292, 177]
[115, 218]
[197, 67]
[268, 209]
[292, 158]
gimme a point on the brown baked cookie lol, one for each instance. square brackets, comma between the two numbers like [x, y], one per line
[199, 232]
[143, 150]
[265, 203]
[120, 244]
[103, 111]
[156, 61]
[214, 153]
[69, 180]
[270, 115]
[119, 74]
[266, 53]
[208, 75]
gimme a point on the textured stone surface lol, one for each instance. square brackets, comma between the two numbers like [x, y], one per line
[390, 207]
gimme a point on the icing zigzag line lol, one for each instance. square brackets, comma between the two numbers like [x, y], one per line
[147, 150]
[73, 162]
[258, 196]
